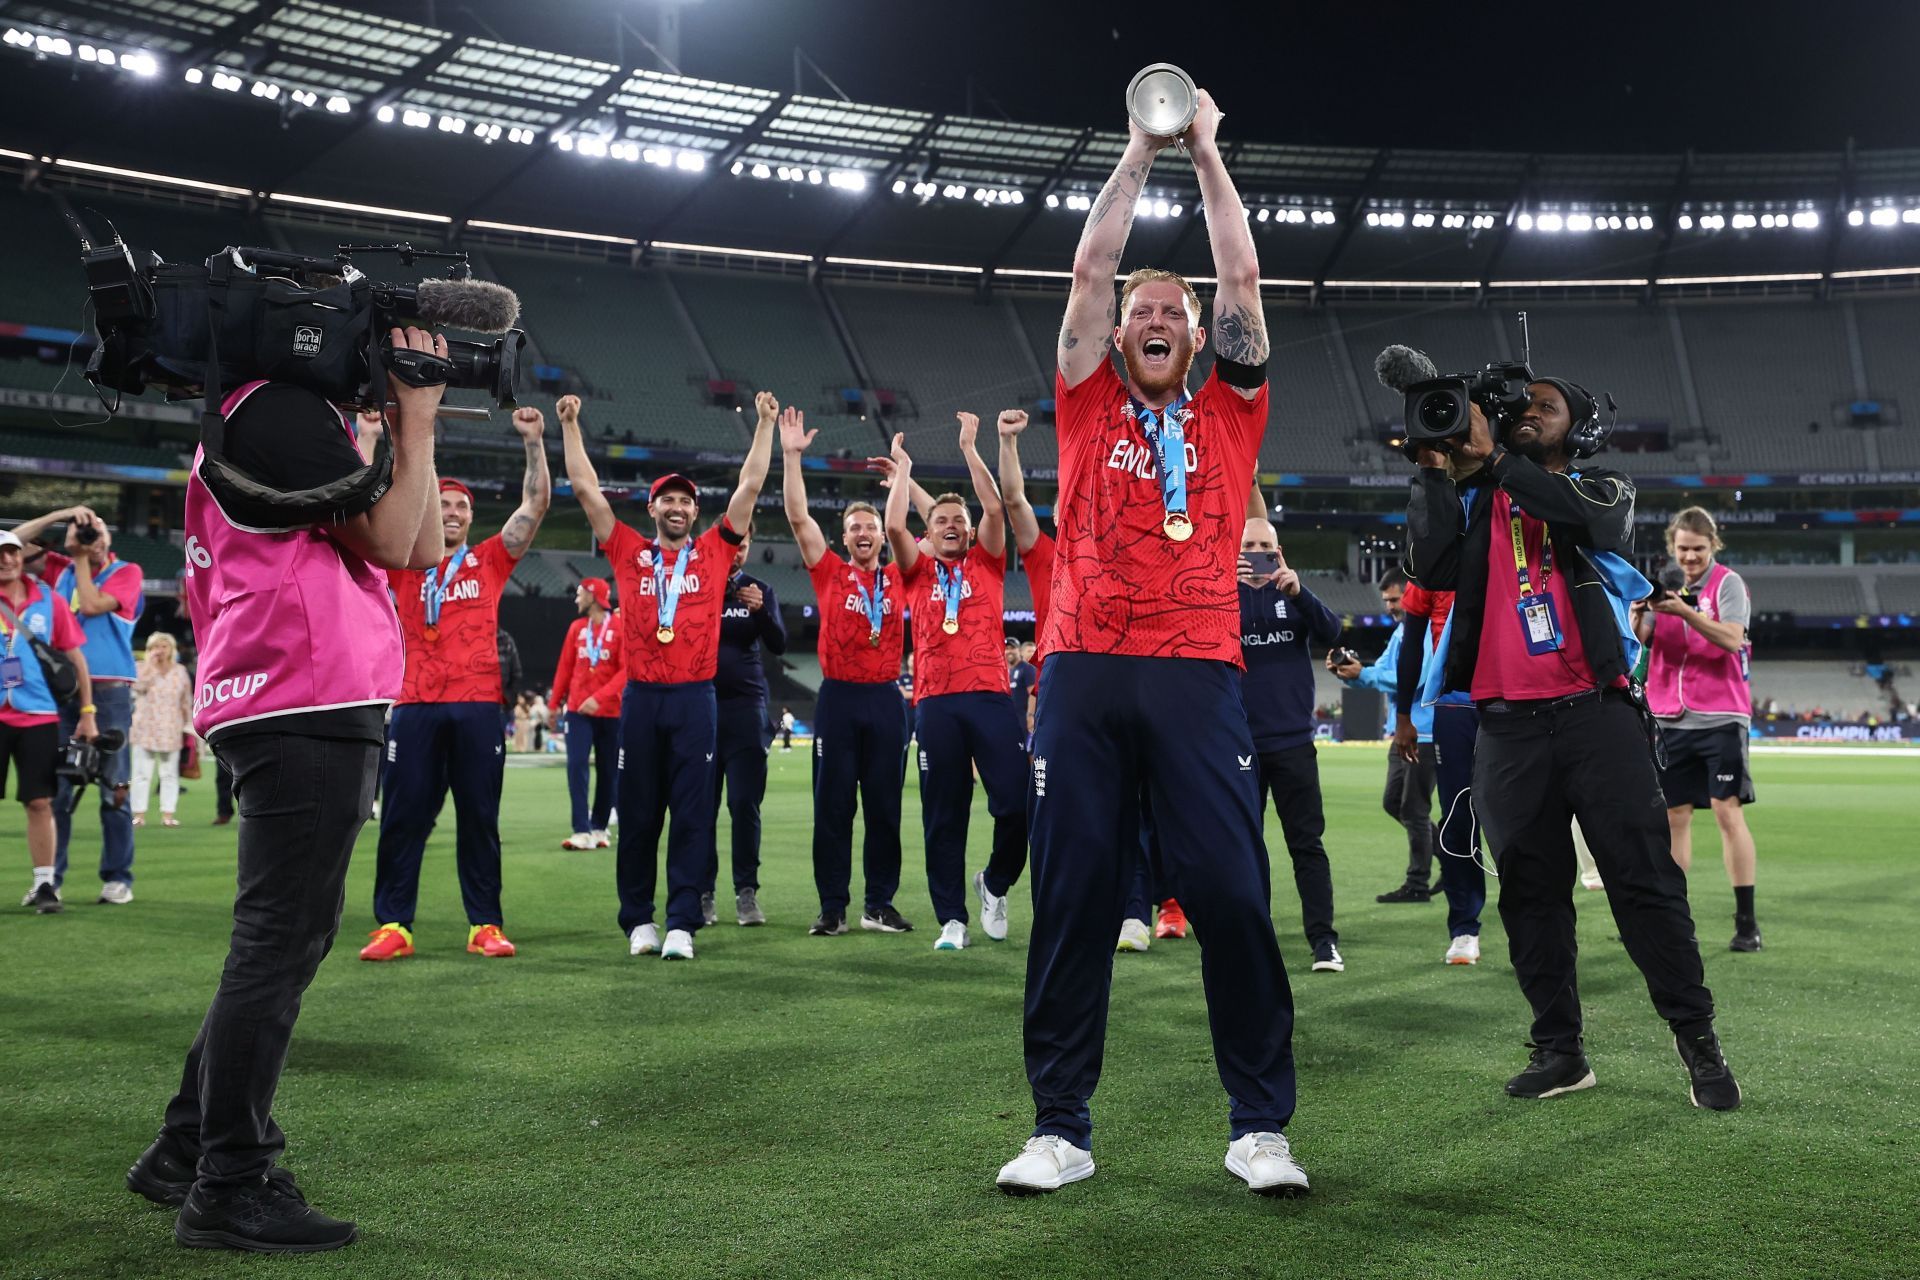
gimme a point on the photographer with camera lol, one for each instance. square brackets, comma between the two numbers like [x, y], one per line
[300, 655]
[105, 594]
[1531, 547]
[1695, 628]
[33, 618]
[749, 621]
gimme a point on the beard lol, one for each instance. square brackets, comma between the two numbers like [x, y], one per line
[1154, 383]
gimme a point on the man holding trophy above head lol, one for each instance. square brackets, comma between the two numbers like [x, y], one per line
[1140, 648]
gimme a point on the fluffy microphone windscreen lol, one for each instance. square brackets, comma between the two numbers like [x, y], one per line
[479, 306]
[1400, 367]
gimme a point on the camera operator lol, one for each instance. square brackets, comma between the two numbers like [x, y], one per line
[105, 594]
[1408, 798]
[1697, 686]
[300, 655]
[30, 736]
[1539, 638]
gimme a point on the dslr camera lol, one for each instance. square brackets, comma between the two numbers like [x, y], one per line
[1438, 405]
[82, 762]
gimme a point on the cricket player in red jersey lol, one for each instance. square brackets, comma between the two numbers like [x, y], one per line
[672, 588]
[586, 693]
[956, 591]
[446, 729]
[859, 734]
[1141, 646]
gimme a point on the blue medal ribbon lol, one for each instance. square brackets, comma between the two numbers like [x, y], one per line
[874, 605]
[1166, 433]
[666, 589]
[597, 649]
[952, 583]
[439, 578]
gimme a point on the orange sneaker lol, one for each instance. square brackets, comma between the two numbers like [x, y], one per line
[390, 942]
[487, 940]
[1173, 921]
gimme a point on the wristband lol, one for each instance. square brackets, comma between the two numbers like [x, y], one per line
[88, 710]
[1247, 377]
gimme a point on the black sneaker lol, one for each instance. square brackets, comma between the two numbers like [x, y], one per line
[884, 920]
[1406, 893]
[829, 924]
[164, 1173]
[1746, 934]
[270, 1216]
[707, 914]
[1551, 1073]
[1713, 1085]
[45, 900]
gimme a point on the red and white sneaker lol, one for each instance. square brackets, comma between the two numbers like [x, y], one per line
[1173, 921]
[601, 840]
[580, 840]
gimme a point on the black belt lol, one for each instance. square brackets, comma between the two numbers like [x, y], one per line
[1534, 706]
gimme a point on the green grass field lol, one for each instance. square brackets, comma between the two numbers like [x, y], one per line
[796, 1106]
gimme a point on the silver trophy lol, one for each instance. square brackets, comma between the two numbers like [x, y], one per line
[1162, 100]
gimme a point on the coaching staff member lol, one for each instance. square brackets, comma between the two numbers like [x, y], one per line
[1538, 638]
[300, 657]
[749, 621]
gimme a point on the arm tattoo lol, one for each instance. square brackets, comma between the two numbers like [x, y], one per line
[536, 491]
[1242, 336]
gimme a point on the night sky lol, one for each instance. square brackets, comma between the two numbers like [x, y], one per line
[1604, 76]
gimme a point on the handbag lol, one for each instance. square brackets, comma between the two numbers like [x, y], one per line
[63, 678]
[190, 756]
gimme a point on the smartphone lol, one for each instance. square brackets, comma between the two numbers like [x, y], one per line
[1260, 564]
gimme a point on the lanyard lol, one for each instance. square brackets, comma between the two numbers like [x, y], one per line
[439, 578]
[667, 590]
[952, 583]
[1520, 557]
[1166, 433]
[874, 605]
[597, 649]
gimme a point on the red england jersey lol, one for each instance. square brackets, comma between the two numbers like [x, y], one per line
[1434, 606]
[846, 648]
[459, 660]
[694, 652]
[592, 665]
[1503, 668]
[1038, 563]
[974, 658]
[1120, 585]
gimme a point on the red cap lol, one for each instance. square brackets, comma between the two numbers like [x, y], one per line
[597, 588]
[672, 480]
[454, 486]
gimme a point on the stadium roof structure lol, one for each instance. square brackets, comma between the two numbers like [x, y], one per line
[303, 102]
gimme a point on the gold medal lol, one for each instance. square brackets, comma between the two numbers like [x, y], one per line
[1177, 526]
[431, 632]
[950, 625]
[664, 635]
[873, 638]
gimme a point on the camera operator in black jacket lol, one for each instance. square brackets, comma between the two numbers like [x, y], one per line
[1530, 546]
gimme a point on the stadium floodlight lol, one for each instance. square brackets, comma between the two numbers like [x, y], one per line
[1524, 222]
[1550, 222]
[591, 146]
[54, 44]
[739, 167]
[690, 161]
[1160, 208]
[761, 171]
[1373, 219]
[1883, 217]
[1855, 217]
[899, 186]
[88, 53]
[452, 124]
[263, 89]
[16, 36]
[1684, 222]
[140, 62]
[385, 116]
[1806, 220]
[195, 75]
[564, 141]
[1053, 201]
[227, 82]
[1143, 208]
[1261, 216]
[1744, 222]
[416, 119]
[815, 177]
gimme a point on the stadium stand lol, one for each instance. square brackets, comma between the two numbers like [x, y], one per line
[1764, 372]
[1889, 340]
[1799, 687]
[1840, 592]
[81, 448]
[1898, 592]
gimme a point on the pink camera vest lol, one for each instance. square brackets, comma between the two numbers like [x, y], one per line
[287, 619]
[1688, 672]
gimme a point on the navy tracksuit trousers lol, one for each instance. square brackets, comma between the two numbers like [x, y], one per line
[1107, 723]
[1458, 837]
[740, 766]
[859, 740]
[598, 736]
[959, 732]
[433, 748]
[667, 744]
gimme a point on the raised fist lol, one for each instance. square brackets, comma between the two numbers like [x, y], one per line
[568, 410]
[1012, 422]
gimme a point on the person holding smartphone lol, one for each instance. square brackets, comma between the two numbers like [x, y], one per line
[749, 622]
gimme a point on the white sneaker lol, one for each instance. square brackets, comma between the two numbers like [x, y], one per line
[953, 937]
[1465, 950]
[117, 892]
[578, 840]
[644, 940]
[679, 945]
[993, 910]
[1592, 881]
[1265, 1163]
[1045, 1164]
[1134, 936]
[602, 840]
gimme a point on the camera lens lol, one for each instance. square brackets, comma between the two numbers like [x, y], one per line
[1439, 414]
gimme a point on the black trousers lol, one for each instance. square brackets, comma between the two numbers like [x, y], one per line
[740, 768]
[222, 789]
[1536, 767]
[302, 803]
[1408, 800]
[1293, 776]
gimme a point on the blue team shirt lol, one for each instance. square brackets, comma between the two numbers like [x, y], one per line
[1279, 635]
[742, 632]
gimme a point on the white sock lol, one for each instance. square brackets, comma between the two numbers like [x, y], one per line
[42, 875]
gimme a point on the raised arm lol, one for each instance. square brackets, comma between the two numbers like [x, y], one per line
[28, 530]
[992, 534]
[1239, 325]
[794, 439]
[1086, 335]
[580, 472]
[906, 552]
[922, 500]
[399, 531]
[753, 472]
[1257, 503]
[536, 486]
[1013, 481]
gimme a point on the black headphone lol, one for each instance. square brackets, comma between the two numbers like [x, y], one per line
[1588, 434]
